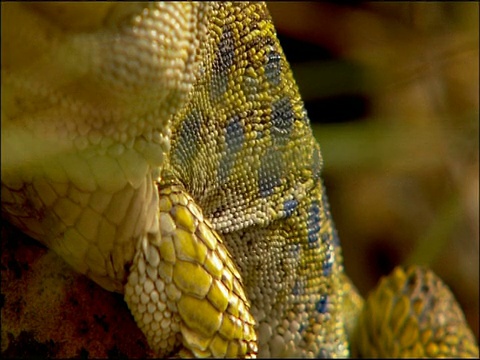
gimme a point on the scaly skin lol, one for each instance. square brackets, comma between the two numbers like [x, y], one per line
[163, 150]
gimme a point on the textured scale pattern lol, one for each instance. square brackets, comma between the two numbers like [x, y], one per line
[261, 184]
[170, 158]
[412, 298]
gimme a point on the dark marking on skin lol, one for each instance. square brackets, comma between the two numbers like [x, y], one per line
[270, 172]
[273, 67]
[222, 64]
[282, 120]
[289, 207]
[298, 288]
[327, 264]
[188, 139]
[234, 139]
[322, 304]
[313, 224]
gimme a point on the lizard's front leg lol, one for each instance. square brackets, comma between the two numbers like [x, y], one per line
[184, 289]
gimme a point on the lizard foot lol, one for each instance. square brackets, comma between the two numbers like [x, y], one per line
[412, 313]
[184, 290]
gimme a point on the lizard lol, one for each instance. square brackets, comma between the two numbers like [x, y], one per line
[163, 150]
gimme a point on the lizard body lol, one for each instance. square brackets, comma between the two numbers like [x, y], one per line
[171, 159]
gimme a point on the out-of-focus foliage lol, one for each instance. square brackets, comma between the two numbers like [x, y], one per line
[402, 173]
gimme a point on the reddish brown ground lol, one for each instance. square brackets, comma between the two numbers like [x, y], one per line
[49, 311]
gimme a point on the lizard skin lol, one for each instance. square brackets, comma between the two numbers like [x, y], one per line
[197, 189]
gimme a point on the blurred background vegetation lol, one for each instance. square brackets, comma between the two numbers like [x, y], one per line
[392, 90]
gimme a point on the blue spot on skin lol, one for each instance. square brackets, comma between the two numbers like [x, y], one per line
[235, 135]
[294, 250]
[188, 139]
[270, 172]
[234, 139]
[289, 207]
[313, 224]
[296, 289]
[273, 67]
[226, 48]
[327, 264]
[222, 64]
[282, 120]
[219, 86]
[321, 305]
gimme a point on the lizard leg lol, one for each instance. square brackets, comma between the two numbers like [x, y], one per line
[184, 290]
[412, 313]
